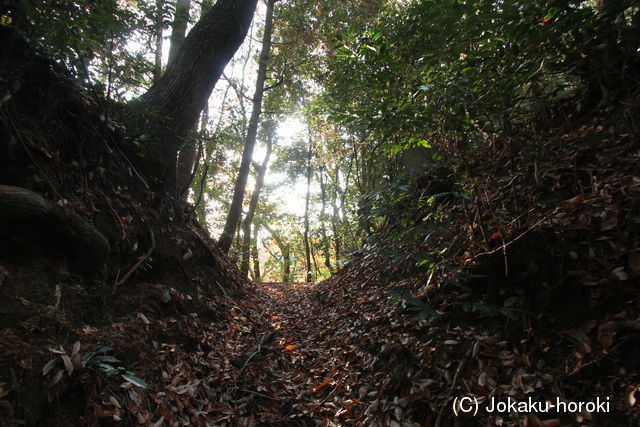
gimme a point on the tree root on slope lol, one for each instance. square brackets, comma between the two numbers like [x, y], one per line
[25, 215]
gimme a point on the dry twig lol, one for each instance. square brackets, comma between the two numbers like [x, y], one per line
[137, 264]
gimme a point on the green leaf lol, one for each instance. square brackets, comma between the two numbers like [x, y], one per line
[107, 358]
[511, 301]
[508, 313]
[108, 369]
[166, 296]
[551, 13]
[135, 380]
[413, 300]
[423, 143]
[103, 349]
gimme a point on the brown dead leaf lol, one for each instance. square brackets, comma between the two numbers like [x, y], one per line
[67, 363]
[609, 223]
[143, 318]
[101, 413]
[324, 384]
[47, 368]
[620, 274]
[580, 337]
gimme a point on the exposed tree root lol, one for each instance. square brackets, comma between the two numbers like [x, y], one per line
[85, 248]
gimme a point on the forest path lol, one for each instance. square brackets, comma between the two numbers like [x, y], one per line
[284, 364]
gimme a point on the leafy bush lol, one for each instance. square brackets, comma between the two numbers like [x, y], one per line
[425, 82]
[98, 360]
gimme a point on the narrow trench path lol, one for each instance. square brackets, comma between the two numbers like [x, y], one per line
[285, 366]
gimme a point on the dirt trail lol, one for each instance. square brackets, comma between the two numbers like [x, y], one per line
[284, 366]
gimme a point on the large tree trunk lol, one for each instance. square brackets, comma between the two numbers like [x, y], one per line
[187, 166]
[233, 218]
[187, 154]
[206, 6]
[179, 28]
[307, 246]
[172, 105]
[253, 204]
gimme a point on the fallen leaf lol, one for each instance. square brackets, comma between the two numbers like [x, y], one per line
[620, 274]
[67, 363]
[58, 376]
[143, 318]
[76, 348]
[609, 223]
[324, 384]
[4, 389]
[47, 368]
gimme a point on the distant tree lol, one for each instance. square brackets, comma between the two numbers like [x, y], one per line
[178, 27]
[233, 217]
[307, 244]
[253, 203]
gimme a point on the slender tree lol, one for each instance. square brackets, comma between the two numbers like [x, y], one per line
[285, 249]
[233, 217]
[335, 218]
[178, 28]
[159, 27]
[307, 246]
[323, 229]
[254, 254]
[253, 204]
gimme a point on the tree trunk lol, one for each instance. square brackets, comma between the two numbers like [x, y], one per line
[206, 7]
[159, 27]
[201, 182]
[323, 228]
[286, 263]
[179, 28]
[184, 169]
[233, 218]
[285, 249]
[253, 204]
[255, 255]
[314, 262]
[335, 214]
[307, 246]
[172, 105]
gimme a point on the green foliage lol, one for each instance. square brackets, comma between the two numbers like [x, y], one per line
[292, 160]
[98, 360]
[109, 365]
[404, 301]
[100, 41]
[484, 309]
[410, 77]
